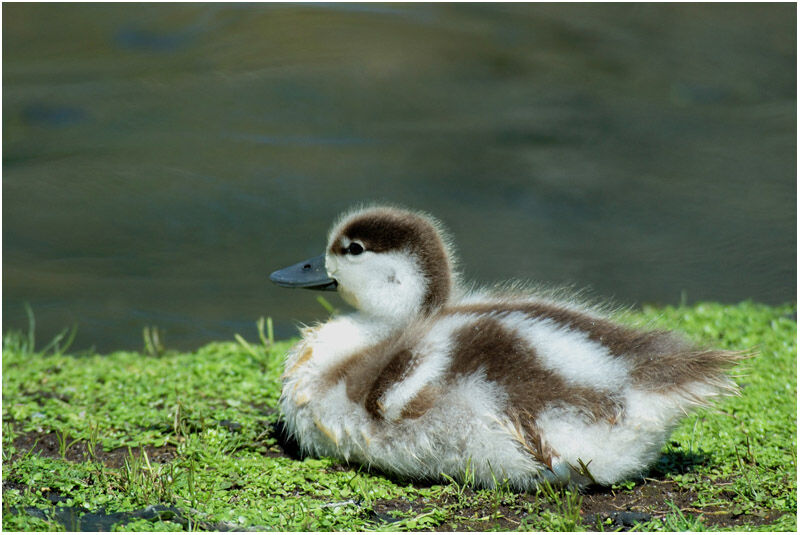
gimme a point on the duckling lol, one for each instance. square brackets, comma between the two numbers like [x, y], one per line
[427, 378]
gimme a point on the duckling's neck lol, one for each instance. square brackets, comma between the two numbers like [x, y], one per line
[389, 323]
[343, 337]
[394, 303]
[379, 327]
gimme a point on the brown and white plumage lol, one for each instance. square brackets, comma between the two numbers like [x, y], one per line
[426, 378]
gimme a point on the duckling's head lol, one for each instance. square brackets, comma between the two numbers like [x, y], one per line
[386, 262]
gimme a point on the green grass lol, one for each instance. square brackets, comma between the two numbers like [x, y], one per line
[213, 412]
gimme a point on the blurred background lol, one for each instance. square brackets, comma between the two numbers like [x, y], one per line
[160, 160]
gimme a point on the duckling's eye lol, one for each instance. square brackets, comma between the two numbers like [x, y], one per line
[355, 248]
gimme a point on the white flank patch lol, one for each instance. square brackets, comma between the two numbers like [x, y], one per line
[613, 452]
[476, 436]
[569, 352]
[609, 452]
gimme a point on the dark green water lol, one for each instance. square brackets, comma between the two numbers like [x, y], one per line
[159, 161]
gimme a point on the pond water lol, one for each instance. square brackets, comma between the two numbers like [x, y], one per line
[159, 161]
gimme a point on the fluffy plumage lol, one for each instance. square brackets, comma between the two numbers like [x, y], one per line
[425, 377]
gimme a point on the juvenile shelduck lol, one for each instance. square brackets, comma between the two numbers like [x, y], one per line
[426, 378]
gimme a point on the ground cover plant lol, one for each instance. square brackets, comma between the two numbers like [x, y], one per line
[163, 440]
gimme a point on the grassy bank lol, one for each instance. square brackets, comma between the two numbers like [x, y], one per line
[176, 441]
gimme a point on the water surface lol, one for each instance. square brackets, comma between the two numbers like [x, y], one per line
[159, 161]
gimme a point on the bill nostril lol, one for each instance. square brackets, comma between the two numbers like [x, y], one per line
[306, 267]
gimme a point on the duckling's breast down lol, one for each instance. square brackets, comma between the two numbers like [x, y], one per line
[524, 391]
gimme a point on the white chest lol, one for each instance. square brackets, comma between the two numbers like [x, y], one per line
[314, 399]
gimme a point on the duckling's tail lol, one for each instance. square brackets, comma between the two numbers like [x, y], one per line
[695, 375]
